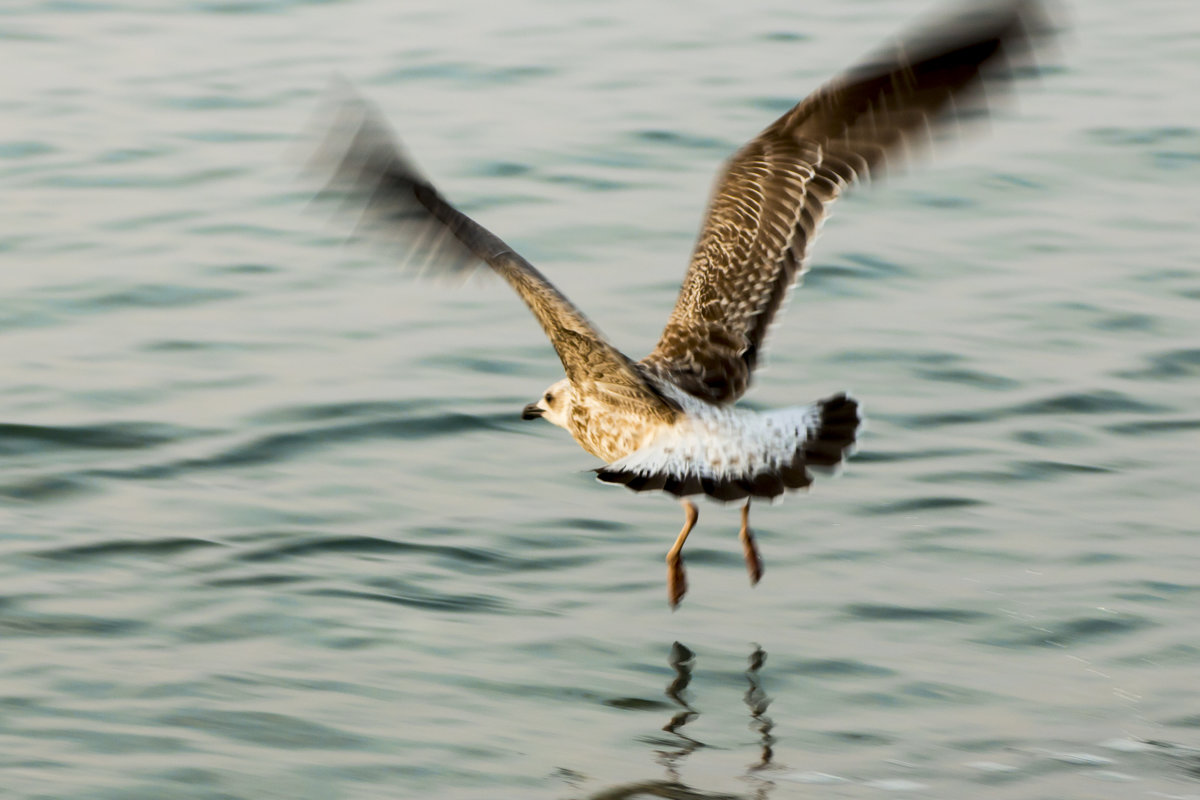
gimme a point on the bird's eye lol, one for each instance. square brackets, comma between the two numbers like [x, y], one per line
[549, 398]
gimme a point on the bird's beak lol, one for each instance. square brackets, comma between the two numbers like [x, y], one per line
[531, 412]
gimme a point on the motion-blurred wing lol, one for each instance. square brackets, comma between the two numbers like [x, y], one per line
[774, 194]
[373, 174]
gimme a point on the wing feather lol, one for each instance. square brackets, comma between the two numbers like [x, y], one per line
[369, 169]
[774, 194]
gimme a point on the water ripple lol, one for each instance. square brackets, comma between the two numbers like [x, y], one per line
[1101, 401]
[429, 601]
[264, 729]
[1168, 365]
[279, 447]
[893, 613]
[152, 548]
[932, 503]
[1075, 631]
[18, 439]
[15, 623]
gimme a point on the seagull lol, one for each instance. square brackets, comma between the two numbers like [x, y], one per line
[670, 421]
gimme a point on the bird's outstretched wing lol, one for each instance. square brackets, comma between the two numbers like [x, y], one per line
[773, 196]
[369, 170]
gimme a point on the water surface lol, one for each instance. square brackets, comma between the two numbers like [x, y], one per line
[272, 526]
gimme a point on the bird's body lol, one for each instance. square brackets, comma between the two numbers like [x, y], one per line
[669, 422]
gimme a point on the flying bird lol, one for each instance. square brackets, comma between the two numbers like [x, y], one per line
[670, 422]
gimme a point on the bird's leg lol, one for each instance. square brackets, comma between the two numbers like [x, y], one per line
[753, 559]
[676, 579]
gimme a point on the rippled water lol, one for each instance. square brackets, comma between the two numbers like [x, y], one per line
[272, 526]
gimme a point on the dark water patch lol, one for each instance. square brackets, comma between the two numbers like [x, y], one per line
[1154, 426]
[232, 137]
[351, 410]
[833, 277]
[25, 149]
[18, 439]
[838, 668]
[771, 105]
[177, 181]
[1169, 365]
[146, 221]
[45, 488]
[1166, 588]
[784, 36]
[882, 457]
[194, 346]
[369, 545]
[638, 704]
[1017, 180]
[1055, 439]
[588, 183]
[1173, 160]
[489, 365]
[943, 693]
[1097, 557]
[889, 355]
[150, 548]
[712, 556]
[1139, 323]
[112, 742]
[1156, 592]
[679, 139]
[968, 377]
[153, 296]
[428, 601]
[876, 700]
[1121, 137]
[131, 155]
[283, 446]
[1175, 654]
[252, 6]
[586, 524]
[467, 73]
[970, 476]
[1081, 630]
[1101, 401]
[14, 623]
[213, 102]
[1018, 472]
[266, 579]
[948, 418]
[1185, 758]
[919, 504]
[845, 555]
[1187, 721]
[876, 266]
[240, 229]
[243, 269]
[500, 169]
[890, 613]
[11, 34]
[943, 201]
[864, 738]
[959, 554]
[265, 729]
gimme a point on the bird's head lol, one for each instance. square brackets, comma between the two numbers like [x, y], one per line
[554, 405]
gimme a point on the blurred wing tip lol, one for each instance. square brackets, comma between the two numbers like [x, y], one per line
[362, 169]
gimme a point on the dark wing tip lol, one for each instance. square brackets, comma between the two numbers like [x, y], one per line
[945, 72]
[363, 166]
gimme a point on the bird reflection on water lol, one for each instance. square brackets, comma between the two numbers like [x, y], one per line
[674, 751]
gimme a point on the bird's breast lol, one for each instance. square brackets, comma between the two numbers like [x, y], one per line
[611, 434]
